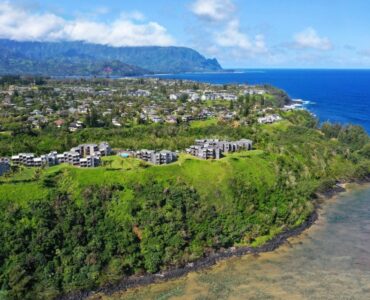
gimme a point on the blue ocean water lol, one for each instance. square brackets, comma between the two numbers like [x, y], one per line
[334, 95]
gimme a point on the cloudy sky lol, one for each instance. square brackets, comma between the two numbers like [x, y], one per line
[240, 33]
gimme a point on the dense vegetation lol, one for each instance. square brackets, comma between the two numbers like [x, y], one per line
[64, 229]
[78, 58]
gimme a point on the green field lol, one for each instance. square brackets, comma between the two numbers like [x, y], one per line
[210, 178]
[203, 123]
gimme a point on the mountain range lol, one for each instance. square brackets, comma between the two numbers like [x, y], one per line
[84, 59]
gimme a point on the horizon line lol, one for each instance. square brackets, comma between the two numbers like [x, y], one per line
[295, 68]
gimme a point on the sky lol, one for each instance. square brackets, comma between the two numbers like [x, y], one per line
[239, 33]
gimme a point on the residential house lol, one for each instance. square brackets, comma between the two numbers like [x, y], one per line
[171, 120]
[116, 123]
[49, 111]
[139, 93]
[209, 96]
[36, 112]
[269, 119]
[156, 119]
[228, 97]
[254, 91]
[74, 126]
[194, 96]
[59, 123]
[173, 97]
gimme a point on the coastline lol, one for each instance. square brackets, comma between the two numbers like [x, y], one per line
[223, 254]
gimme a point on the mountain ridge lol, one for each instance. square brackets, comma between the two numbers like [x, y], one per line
[80, 58]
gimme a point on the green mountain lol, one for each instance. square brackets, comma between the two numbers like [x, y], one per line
[81, 59]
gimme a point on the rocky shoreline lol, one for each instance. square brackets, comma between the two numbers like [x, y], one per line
[211, 260]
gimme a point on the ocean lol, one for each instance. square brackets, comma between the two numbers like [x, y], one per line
[332, 95]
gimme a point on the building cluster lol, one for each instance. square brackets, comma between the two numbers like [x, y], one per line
[254, 91]
[205, 149]
[89, 155]
[72, 105]
[139, 93]
[157, 157]
[84, 156]
[215, 149]
[193, 96]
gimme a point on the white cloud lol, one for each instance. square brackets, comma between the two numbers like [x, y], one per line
[309, 38]
[128, 30]
[213, 10]
[232, 37]
[225, 38]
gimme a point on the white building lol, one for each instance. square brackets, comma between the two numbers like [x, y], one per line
[269, 119]
[116, 123]
[173, 97]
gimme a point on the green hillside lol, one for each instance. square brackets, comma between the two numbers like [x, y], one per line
[84, 59]
[65, 229]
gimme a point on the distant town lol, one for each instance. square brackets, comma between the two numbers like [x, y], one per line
[75, 104]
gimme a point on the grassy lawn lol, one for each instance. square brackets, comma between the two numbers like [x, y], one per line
[203, 123]
[210, 178]
[22, 193]
[5, 133]
[269, 96]
[117, 162]
[24, 174]
[276, 127]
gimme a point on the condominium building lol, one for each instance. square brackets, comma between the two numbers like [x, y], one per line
[214, 148]
[103, 149]
[85, 155]
[157, 158]
[89, 162]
